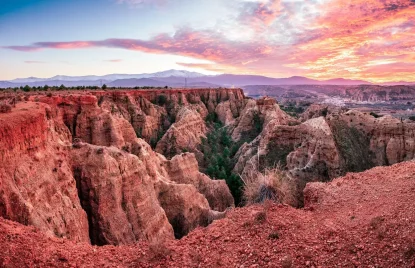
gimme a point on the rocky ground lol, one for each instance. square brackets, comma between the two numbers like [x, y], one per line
[360, 220]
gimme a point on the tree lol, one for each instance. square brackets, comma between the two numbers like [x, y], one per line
[161, 100]
[375, 115]
[62, 87]
[26, 88]
[104, 86]
[218, 150]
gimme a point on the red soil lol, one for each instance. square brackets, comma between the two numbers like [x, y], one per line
[360, 220]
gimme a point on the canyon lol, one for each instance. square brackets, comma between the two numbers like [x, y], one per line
[73, 166]
[127, 168]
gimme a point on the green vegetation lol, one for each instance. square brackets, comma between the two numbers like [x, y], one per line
[412, 117]
[219, 149]
[155, 140]
[375, 115]
[212, 118]
[292, 109]
[258, 123]
[276, 155]
[353, 145]
[325, 111]
[161, 100]
[28, 88]
[219, 152]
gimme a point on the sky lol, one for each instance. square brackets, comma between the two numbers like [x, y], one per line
[373, 40]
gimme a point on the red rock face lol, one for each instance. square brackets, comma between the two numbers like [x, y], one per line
[184, 135]
[128, 192]
[183, 169]
[323, 148]
[96, 115]
[118, 194]
[36, 182]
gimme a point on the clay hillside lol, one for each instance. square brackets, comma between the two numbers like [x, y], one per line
[201, 178]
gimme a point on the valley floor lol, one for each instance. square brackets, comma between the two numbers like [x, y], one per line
[360, 220]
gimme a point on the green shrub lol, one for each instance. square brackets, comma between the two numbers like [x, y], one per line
[212, 118]
[161, 100]
[353, 146]
[218, 150]
[26, 88]
[274, 236]
[375, 115]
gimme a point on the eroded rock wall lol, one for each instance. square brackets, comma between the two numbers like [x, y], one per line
[323, 148]
[72, 152]
[36, 182]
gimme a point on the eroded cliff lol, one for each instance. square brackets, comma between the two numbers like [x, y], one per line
[325, 147]
[75, 169]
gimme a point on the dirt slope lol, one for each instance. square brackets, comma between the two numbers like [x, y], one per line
[361, 220]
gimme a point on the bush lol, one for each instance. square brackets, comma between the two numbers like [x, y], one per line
[410, 252]
[261, 217]
[375, 115]
[162, 100]
[212, 118]
[274, 236]
[5, 108]
[272, 184]
[412, 118]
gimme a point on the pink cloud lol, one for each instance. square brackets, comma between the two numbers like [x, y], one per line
[358, 40]
[255, 13]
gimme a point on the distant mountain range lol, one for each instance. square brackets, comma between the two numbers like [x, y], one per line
[179, 78]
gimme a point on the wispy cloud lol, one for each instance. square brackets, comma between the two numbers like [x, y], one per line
[114, 60]
[34, 62]
[140, 3]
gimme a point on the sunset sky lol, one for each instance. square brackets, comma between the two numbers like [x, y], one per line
[372, 40]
